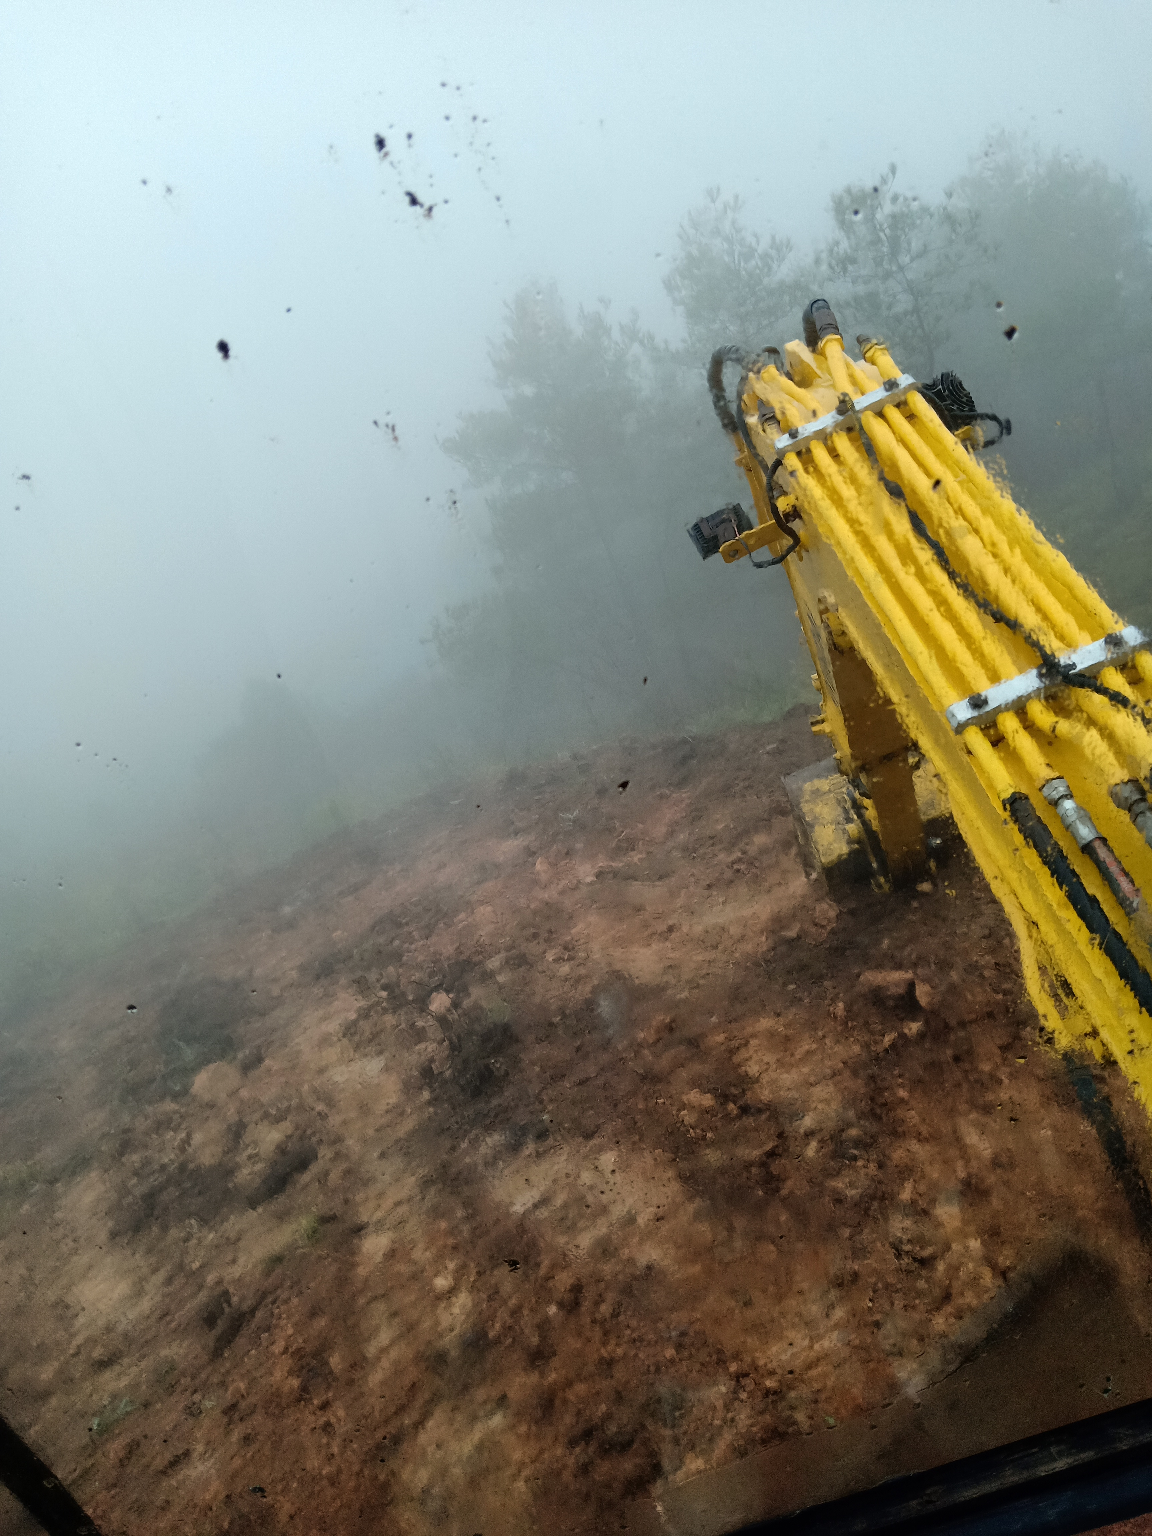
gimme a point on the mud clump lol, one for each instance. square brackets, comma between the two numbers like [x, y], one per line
[293, 1158]
[174, 1194]
[230, 1329]
[195, 1025]
[483, 1057]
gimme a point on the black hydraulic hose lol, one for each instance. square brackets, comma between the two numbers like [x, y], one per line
[1005, 426]
[720, 404]
[767, 471]
[996, 614]
[1083, 903]
[819, 322]
[789, 533]
[734, 424]
[956, 408]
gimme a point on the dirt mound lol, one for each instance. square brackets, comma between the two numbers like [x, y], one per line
[523, 1155]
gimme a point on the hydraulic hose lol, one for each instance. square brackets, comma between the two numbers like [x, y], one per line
[734, 424]
[1080, 899]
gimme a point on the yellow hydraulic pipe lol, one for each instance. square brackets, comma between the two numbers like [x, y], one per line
[1121, 725]
[1038, 767]
[995, 581]
[1083, 736]
[988, 535]
[911, 554]
[876, 353]
[884, 591]
[861, 383]
[831, 349]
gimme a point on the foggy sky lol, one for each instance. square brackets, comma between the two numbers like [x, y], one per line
[177, 175]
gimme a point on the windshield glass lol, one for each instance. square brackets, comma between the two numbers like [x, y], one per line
[507, 1024]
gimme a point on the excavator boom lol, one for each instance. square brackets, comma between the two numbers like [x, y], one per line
[956, 651]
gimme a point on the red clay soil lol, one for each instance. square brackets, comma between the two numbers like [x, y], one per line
[509, 1163]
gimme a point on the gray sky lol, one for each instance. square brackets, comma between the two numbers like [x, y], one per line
[177, 174]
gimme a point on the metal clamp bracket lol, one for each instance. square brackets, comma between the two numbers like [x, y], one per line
[1015, 692]
[891, 392]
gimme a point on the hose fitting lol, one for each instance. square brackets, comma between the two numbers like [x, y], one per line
[1082, 902]
[1131, 797]
[1075, 818]
[1081, 827]
[819, 323]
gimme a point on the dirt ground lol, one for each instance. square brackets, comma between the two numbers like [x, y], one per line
[520, 1160]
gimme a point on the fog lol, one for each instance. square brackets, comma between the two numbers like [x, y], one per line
[234, 606]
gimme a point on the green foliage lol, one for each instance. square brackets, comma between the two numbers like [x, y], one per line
[111, 1415]
[897, 265]
[606, 447]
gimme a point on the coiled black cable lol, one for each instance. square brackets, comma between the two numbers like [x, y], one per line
[734, 424]
[956, 407]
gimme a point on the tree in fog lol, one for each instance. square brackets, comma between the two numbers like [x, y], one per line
[605, 447]
[731, 285]
[897, 266]
[901, 267]
[1068, 259]
[265, 785]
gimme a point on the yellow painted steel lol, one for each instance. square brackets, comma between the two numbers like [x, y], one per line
[862, 578]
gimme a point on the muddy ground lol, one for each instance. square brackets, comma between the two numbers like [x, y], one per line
[512, 1162]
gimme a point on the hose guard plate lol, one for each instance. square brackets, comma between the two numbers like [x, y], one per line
[1014, 692]
[891, 392]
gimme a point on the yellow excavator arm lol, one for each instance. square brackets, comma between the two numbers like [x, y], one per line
[944, 626]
